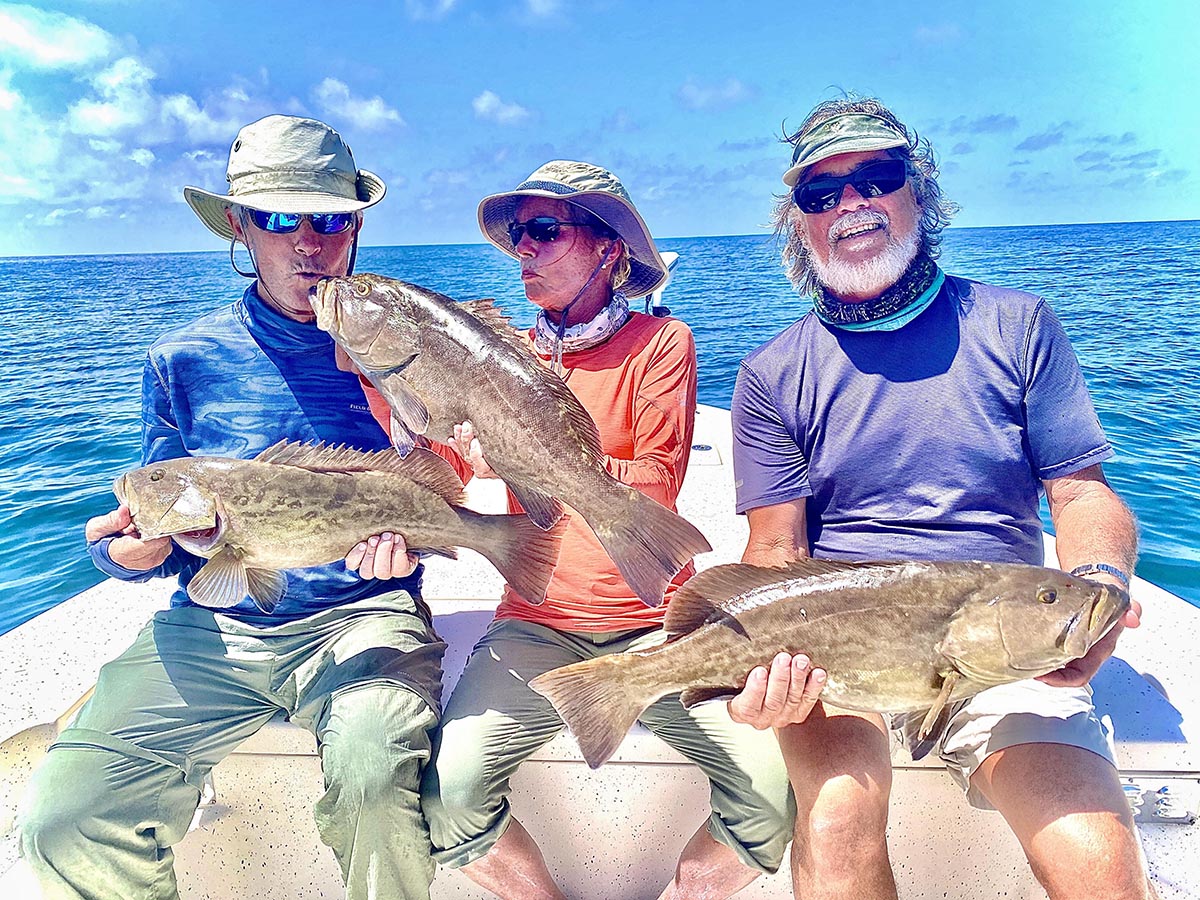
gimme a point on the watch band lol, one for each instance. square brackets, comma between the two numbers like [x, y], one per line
[1094, 568]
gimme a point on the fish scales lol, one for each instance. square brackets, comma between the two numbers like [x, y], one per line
[297, 506]
[892, 637]
[438, 363]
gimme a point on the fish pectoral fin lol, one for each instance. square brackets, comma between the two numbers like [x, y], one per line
[692, 696]
[266, 587]
[407, 405]
[221, 582]
[402, 438]
[941, 707]
[542, 509]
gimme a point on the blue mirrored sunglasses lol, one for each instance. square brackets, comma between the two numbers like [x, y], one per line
[285, 223]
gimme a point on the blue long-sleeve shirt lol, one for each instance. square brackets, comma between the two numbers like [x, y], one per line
[232, 383]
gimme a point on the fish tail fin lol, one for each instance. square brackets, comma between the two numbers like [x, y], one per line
[597, 701]
[521, 551]
[650, 544]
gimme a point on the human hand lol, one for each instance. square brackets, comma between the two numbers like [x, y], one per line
[1079, 672]
[783, 695]
[466, 444]
[382, 556]
[127, 549]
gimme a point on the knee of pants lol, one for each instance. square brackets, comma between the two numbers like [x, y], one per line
[376, 742]
[78, 798]
[455, 785]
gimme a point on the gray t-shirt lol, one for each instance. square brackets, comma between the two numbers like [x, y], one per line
[929, 442]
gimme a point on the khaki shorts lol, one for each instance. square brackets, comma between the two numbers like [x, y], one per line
[1025, 712]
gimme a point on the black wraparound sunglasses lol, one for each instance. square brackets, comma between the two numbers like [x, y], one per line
[542, 229]
[874, 179]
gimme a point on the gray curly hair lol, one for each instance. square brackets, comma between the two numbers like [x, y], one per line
[936, 209]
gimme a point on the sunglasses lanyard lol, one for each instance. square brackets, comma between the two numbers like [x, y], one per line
[556, 362]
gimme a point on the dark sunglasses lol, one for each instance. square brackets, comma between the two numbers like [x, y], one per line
[874, 179]
[542, 229]
[286, 223]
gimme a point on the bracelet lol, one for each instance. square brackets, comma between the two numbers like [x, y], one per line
[1095, 568]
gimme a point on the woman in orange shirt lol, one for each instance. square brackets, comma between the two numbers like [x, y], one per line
[584, 251]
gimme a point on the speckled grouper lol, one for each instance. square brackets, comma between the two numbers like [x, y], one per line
[892, 636]
[298, 505]
[439, 363]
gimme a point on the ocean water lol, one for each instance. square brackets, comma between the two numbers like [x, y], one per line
[76, 331]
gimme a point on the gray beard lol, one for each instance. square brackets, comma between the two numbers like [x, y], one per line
[873, 276]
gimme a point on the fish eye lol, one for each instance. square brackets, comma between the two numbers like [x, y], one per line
[1047, 595]
[362, 289]
[157, 475]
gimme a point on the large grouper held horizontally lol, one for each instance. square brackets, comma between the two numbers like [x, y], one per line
[892, 637]
[438, 363]
[298, 505]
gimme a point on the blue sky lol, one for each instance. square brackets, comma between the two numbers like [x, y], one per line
[1040, 111]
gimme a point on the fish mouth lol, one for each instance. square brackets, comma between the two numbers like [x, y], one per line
[320, 298]
[1107, 609]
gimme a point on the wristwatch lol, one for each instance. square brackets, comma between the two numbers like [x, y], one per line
[1096, 568]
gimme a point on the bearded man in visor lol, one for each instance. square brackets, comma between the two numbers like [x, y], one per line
[917, 415]
[348, 651]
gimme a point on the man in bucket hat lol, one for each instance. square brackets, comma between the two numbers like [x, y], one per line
[584, 252]
[916, 415]
[348, 651]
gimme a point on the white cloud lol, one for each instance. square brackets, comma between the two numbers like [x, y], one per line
[428, 9]
[142, 157]
[489, 106]
[39, 39]
[335, 100]
[125, 100]
[696, 96]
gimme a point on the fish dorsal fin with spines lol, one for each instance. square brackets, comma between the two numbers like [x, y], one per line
[422, 466]
[705, 597]
[487, 312]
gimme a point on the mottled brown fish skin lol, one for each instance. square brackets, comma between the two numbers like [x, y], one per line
[286, 516]
[887, 634]
[536, 435]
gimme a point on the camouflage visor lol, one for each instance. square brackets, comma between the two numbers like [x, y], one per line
[845, 133]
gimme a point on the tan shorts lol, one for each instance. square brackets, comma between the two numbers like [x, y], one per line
[1025, 712]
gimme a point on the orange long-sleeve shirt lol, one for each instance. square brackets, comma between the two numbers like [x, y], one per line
[640, 388]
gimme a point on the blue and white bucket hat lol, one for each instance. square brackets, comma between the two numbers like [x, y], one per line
[598, 191]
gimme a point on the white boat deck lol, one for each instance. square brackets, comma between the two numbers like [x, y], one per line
[613, 833]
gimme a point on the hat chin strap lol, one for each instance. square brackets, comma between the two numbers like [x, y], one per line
[562, 319]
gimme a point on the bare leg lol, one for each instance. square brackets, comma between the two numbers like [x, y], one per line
[1066, 807]
[841, 774]
[514, 868]
[707, 870]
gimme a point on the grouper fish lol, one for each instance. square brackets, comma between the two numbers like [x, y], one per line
[439, 363]
[892, 636]
[297, 505]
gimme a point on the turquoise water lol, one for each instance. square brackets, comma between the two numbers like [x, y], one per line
[77, 328]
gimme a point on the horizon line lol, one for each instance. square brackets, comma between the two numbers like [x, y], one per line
[483, 243]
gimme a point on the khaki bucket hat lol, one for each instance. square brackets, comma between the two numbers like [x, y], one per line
[599, 192]
[291, 165]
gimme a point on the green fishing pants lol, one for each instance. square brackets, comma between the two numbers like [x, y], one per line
[493, 722]
[120, 786]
